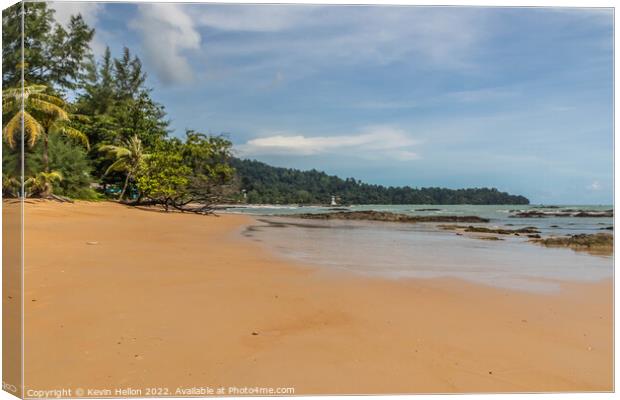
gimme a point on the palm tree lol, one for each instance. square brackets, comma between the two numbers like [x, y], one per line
[11, 185]
[128, 159]
[42, 183]
[43, 114]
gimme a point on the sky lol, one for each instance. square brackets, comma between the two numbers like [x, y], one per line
[520, 99]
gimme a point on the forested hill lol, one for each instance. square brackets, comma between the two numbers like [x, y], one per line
[265, 184]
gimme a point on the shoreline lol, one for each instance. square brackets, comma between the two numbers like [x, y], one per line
[121, 311]
[393, 250]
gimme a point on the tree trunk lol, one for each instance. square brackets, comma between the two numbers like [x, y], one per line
[46, 162]
[124, 186]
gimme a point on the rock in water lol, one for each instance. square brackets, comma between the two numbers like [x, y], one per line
[391, 217]
[596, 243]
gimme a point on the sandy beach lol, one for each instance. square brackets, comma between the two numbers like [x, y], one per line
[117, 297]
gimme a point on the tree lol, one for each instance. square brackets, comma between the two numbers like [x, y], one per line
[163, 179]
[120, 107]
[54, 55]
[11, 185]
[129, 77]
[266, 184]
[42, 184]
[188, 175]
[73, 164]
[208, 157]
[142, 117]
[98, 86]
[128, 159]
[43, 114]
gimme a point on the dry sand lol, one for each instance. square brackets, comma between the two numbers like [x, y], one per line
[173, 300]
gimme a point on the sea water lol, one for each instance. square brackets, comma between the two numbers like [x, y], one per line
[423, 250]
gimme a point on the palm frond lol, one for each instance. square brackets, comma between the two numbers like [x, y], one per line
[31, 126]
[118, 165]
[14, 93]
[9, 104]
[33, 89]
[80, 118]
[61, 128]
[48, 108]
[48, 98]
[18, 93]
[115, 151]
[51, 176]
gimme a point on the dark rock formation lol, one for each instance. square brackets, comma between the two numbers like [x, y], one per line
[489, 238]
[562, 213]
[391, 217]
[484, 229]
[600, 243]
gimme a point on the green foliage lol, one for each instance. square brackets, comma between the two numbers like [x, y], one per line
[181, 172]
[42, 184]
[120, 108]
[54, 55]
[72, 163]
[44, 114]
[113, 109]
[127, 158]
[69, 160]
[11, 185]
[163, 177]
[208, 157]
[271, 185]
[116, 96]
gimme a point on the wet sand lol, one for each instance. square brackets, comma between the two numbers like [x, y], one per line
[118, 297]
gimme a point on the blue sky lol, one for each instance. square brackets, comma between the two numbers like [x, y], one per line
[514, 98]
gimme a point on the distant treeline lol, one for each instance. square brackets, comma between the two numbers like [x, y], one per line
[265, 184]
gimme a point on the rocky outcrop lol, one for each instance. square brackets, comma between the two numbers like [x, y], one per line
[499, 231]
[562, 213]
[391, 217]
[491, 238]
[598, 243]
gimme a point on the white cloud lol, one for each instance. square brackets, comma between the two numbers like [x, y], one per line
[167, 31]
[64, 11]
[371, 142]
[298, 39]
[89, 11]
